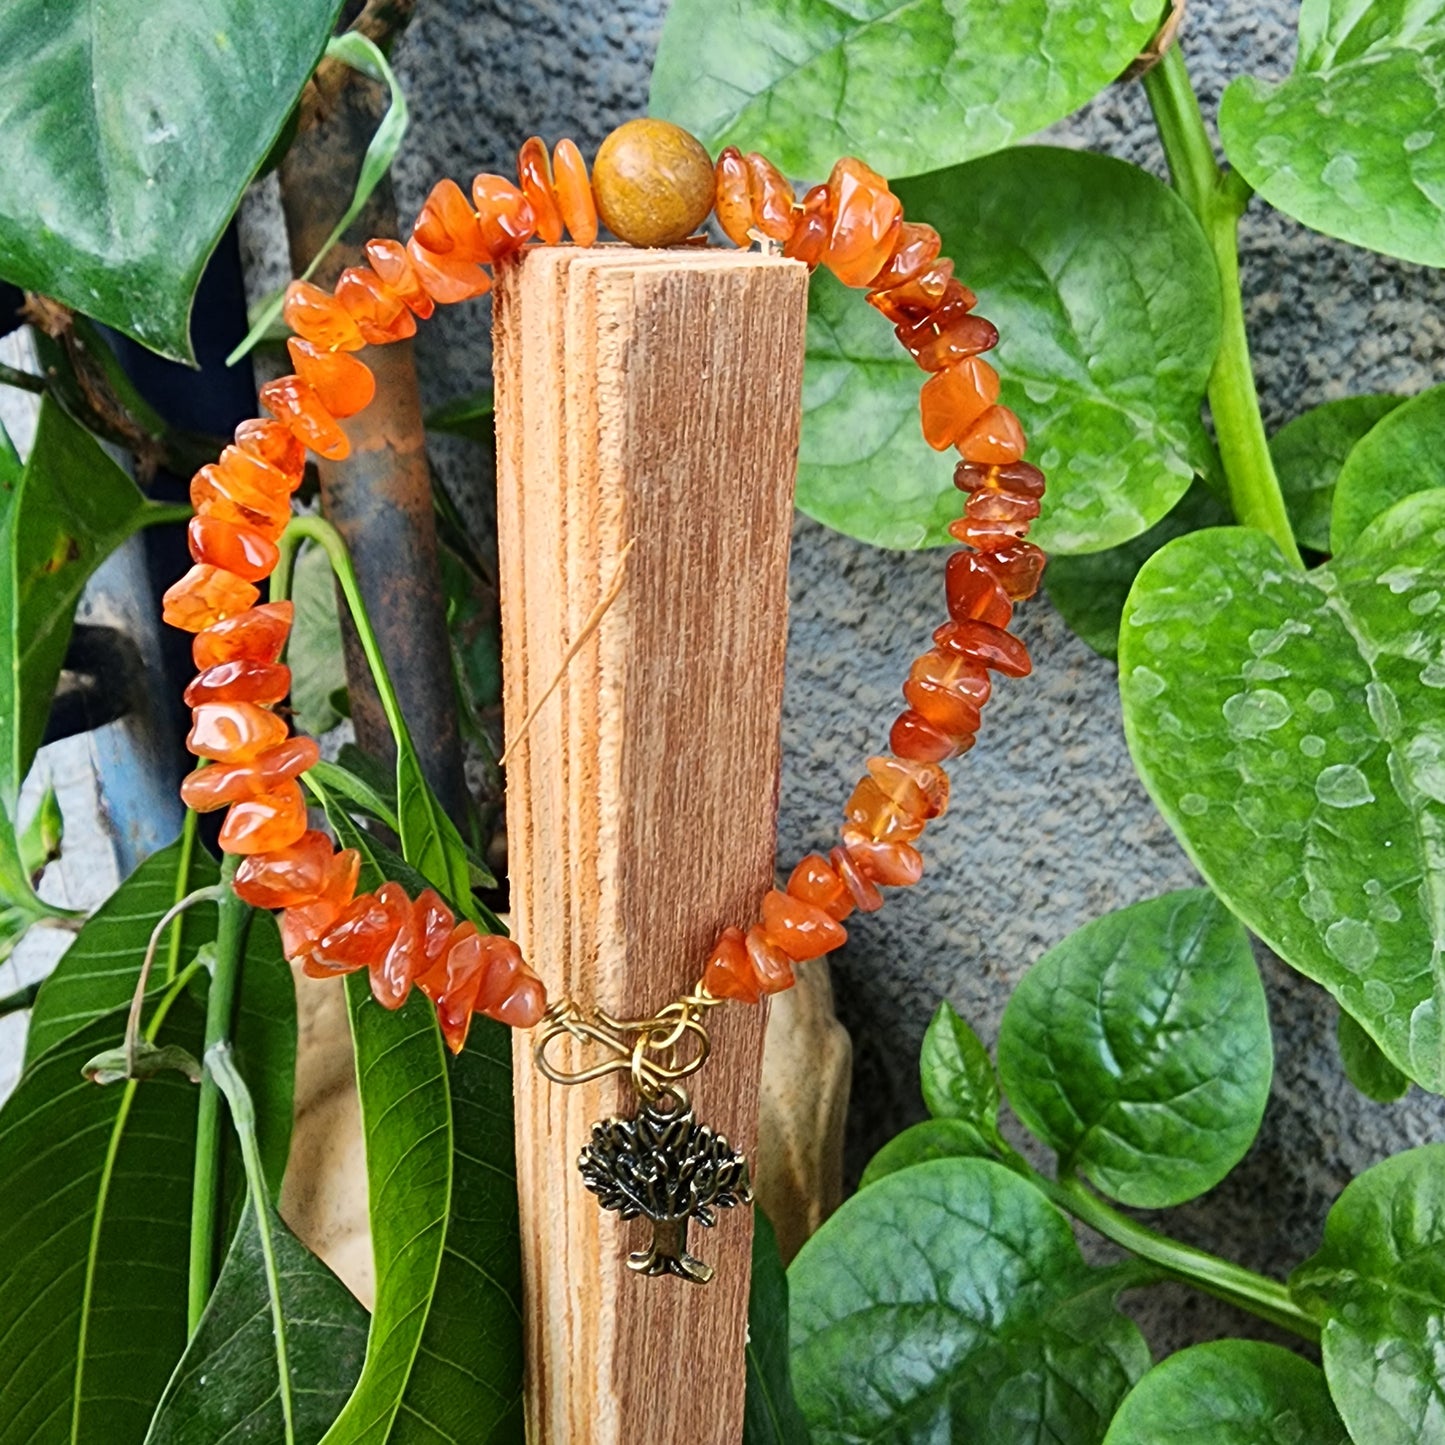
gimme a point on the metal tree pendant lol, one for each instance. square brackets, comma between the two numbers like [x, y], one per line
[667, 1166]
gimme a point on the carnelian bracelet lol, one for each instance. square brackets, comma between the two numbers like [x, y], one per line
[652, 184]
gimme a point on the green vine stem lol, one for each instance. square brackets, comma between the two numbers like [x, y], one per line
[183, 885]
[1218, 200]
[220, 1010]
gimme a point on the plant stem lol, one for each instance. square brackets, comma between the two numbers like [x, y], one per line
[1233, 1283]
[220, 1008]
[24, 380]
[320, 531]
[1218, 201]
[183, 887]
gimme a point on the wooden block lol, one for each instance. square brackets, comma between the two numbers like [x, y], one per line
[652, 398]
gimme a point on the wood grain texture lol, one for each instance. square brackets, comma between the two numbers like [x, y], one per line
[647, 396]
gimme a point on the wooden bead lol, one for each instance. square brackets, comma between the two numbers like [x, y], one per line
[344, 384]
[802, 930]
[291, 401]
[392, 264]
[574, 193]
[233, 732]
[985, 644]
[241, 551]
[917, 246]
[732, 204]
[205, 596]
[770, 198]
[867, 221]
[773, 967]
[215, 492]
[953, 399]
[380, 313]
[895, 865]
[914, 738]
[812, 226]
[996, 436]
[447, 280]
[974, 593]
[920, 789]
[446, 226]
[271, 444]
[534, 173]
[879, 816]
[318, 316]
[263, 683]
[910, 301]
[728, 972]
[815, 881]
[860, 887]
[504, 216]
[653, 183]
[258, 635]
[284, 876]
[269, 820]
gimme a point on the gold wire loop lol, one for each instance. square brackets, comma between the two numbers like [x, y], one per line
[651, 1050]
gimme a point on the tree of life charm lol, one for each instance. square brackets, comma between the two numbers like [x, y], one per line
[665, 1165]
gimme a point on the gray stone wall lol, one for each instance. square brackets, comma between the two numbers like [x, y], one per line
[1049, 825]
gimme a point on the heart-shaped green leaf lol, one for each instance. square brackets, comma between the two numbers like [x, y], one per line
[1107, 301]
[1353, 142]
[1365, 1066]
[1402, 455]
[950, 1302]
[771, 1416]
[138, 141]
[932, 1139]
[1289, 726]
[1308, 453]
[1378, 1283]
[313, 651]
[1138, 1049]
[957, 1074]
[1229, 1392]
[809, 83]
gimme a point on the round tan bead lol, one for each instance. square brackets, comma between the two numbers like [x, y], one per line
[653, 183]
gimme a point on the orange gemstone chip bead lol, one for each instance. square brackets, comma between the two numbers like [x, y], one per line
[205, 596]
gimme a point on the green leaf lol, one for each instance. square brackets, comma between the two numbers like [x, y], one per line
[139, 141]
[1106, 297]
[1400, 456]
[429, 838]
[771, 1415]
[1089, 590]
[1353, 142]
[1138, 1049]
[1378, 1283]
[809, 83]
[1365, 1066]
[932, 1139]
[360, 53]
[314, 653]
[1308, 454]
[465, 416]
[115, 1065]
[1229, 1392]
[957, 1075]
[358, 791]
[40, 843]
[445, 1342]
[1288, 725]
[92, 1239]
[950, 1302]
[235, 1346]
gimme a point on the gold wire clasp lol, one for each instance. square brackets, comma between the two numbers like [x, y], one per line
[652, 1050]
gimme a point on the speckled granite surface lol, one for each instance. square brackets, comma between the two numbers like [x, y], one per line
[1050, 826]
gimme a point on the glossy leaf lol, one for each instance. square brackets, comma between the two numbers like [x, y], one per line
[771, 1415]
[1107, 301]
[358, 791]
[1138, 1049]
[808, 83]
[1365, 1066]
[1378, 1285]
[429, 838]
[1288, 725]
[1352, 143]
[92, 1240]
[139, 140]
[444, 1355]
[313, 651]
[932, 1139]
[950, 1302]
[465, 416]
[1229, 1392]
[1089, 590]
[1308, 454]
[957, 1074]
[1398, 457]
